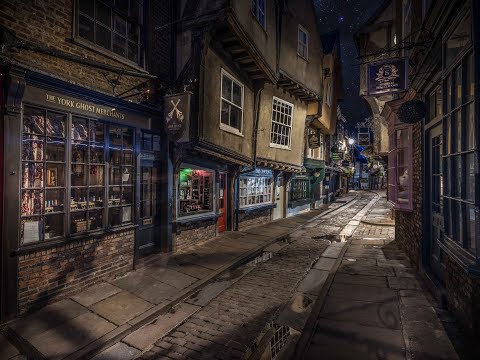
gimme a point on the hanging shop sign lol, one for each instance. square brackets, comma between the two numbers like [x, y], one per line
[177, 116]
[345, 163]
[387, 77]
[335, 156]
[363, 139]
[314, 140]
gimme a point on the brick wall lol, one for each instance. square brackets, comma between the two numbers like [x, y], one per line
[49, 23]
[192, 234]
[409, 225]
[49, 275]
[254, 218]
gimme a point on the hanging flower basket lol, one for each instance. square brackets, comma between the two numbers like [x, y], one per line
[411, 111]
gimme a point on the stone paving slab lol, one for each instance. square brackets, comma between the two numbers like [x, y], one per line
[49, 317]
[7, 350]
[379, 281]
[196, 271]
[339, 340]
[156, 292]
[332, 252]
[59, 342]
[148, 334]
[324, 263]
[95, 294]
[313, 282]
[362, 292]
[119, 351]
[171, 277]
[384, 314]
[121, 307]
[403, 283]
[295, 314]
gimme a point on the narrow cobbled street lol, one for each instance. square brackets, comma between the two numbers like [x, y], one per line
[230, 324]
[371, 311]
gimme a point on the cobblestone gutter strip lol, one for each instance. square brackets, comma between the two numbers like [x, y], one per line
[122, 331]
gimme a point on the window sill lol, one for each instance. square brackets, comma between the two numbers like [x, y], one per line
[231, 130]
[276, 146]
[460, 256]
[183, 220]
[107, 53]
[65, 240]
[253, 208]
[302, 57]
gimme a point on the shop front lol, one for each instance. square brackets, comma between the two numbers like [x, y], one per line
[316, 172]
[255, 197]
[83, 189]
[299, 197]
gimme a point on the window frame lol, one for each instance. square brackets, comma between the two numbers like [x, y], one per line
[301, 29]
[233, 79]
[213, 210]
[294, 190]
[267, 185]
[68, 163]
[255, 10]
[92, 45]
[290, 126]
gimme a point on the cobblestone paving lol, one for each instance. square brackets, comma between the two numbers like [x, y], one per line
[227, 327]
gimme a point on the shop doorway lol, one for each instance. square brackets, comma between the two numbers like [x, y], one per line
[222, 203]
[434, 201]
[279, 199]
[148, 233]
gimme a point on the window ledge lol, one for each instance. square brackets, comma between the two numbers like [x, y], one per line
[194, 218]
[253, 208]
[43, 245]
[276, 146]
[107, 53]
[230, 130]
[302, 57]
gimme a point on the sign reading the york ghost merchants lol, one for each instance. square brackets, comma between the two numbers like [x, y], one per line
[177, 115]
[387, 77]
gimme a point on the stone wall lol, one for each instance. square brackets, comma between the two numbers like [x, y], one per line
[409, 225]
[254, 218]
[188, 235]
[50, 275]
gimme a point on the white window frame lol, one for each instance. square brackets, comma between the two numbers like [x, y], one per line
[256, 12]
[267, 185]
[223, 126]
[329, 93]
[301, 29]
[279, 124]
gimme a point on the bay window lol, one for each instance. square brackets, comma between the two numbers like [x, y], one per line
[255, 191]
[57, 147]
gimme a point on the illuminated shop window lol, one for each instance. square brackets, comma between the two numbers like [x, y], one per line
[299, 189]
[47, 138]
[255, 191]
[195, 193]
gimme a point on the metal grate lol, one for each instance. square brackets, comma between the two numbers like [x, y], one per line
[278, 340]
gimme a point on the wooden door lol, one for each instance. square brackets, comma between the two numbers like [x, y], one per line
[222, 203]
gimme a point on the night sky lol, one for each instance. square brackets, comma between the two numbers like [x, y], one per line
[348, 16]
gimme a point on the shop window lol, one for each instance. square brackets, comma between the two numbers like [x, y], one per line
[114, 25]
[400, 160]
[45, 214]
[231, 114]
[460, 148]
[302, 48]
[87, 176]
[195, 193]
[255, 191]
[281, 131]
[43, 175]
[149, 178]
[299, 190]
[258, 10]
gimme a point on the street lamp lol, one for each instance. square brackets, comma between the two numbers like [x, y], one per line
[351, 141]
